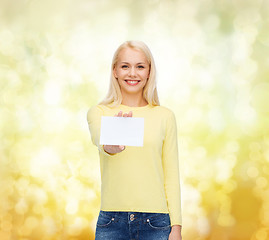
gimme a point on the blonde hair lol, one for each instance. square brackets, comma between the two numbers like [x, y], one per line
[114, 96]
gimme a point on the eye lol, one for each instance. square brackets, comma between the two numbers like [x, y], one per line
[124, 66]
[141, 67]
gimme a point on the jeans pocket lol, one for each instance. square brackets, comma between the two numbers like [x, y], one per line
[104, 219]
[160, 221]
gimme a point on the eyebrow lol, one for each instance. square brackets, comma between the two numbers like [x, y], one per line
[137, 63]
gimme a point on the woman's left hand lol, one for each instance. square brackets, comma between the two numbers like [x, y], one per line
[175, 233]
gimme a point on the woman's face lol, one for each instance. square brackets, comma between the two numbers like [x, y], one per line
[132, 71]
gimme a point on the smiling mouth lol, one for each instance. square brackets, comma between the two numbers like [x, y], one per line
[132, 82]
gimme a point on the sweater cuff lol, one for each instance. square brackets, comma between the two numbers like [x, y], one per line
[175, 220]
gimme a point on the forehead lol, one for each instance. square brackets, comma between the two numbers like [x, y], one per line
[130, 54]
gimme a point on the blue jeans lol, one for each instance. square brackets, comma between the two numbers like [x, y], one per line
[112, 225]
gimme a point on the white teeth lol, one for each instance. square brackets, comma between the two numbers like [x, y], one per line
[132, 81]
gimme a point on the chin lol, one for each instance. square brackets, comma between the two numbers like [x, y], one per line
[133, 90]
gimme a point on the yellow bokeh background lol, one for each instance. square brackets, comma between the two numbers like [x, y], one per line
[212, 71]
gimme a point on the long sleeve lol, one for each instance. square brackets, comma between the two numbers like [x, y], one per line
[94, 121]
[171, 171]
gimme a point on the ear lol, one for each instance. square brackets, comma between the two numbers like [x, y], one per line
[115, 72]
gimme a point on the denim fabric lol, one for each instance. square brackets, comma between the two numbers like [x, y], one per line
[113, 225]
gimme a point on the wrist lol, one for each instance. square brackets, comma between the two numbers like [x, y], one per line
[176, 228]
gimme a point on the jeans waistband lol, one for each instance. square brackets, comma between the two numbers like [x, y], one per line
[136, 215]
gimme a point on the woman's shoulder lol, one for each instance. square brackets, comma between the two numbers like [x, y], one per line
[164, 110]
[95, 110]
[98, 107]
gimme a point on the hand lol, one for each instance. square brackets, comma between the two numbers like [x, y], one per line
[175, 233]
[113, 149]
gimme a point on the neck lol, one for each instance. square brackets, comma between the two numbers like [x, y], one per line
[133, 101]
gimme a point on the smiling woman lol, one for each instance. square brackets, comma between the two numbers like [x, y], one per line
[151, 203]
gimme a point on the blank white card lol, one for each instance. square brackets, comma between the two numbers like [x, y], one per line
[127, 131]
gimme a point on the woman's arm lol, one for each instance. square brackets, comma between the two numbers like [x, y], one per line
[171, 170]
[94, 121]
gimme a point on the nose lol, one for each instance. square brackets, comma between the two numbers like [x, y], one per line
[132, 72]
